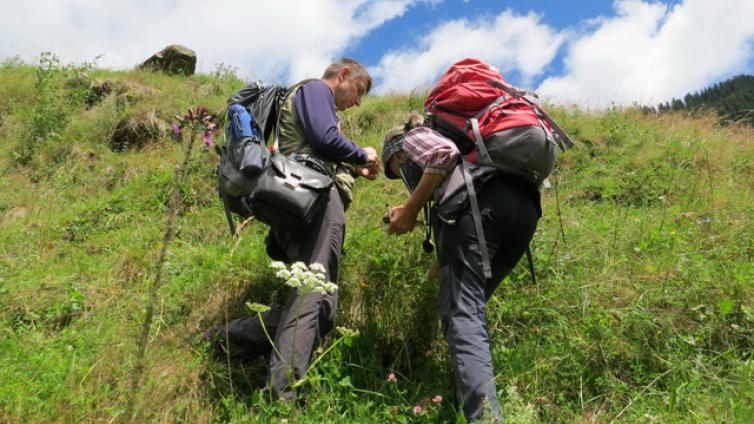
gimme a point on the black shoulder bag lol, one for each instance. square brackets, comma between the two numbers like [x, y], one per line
[291, 191]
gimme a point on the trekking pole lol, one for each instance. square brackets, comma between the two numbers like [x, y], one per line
[531, 264]
[560, 216]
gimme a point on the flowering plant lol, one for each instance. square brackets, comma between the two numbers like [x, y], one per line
[305, 279]
[199, 118]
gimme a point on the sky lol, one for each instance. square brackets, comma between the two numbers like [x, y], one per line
[591, 53]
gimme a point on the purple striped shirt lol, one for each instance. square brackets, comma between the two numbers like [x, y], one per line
[433, 152]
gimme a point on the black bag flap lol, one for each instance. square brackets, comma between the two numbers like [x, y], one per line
[249, 155]
[296, 174]
[235, 183]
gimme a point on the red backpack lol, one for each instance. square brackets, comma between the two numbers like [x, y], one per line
[494, 123]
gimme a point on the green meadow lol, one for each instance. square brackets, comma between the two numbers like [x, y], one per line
[643, 308]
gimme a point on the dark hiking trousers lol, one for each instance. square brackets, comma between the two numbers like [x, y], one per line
[509, 218]
[303, 320]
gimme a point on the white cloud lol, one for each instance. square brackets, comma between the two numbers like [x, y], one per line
[265, 39]
[510, 42]
[650, 53]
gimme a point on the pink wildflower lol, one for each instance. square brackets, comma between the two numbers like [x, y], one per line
[208, 139]
[176, 129]
[437, 399]
[392, 378]
[418, 409]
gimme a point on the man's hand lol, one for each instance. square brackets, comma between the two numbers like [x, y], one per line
[369, 171]
[371, 155]
[402, 220]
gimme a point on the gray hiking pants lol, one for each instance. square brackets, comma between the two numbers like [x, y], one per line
[303, 320]
[509, 219]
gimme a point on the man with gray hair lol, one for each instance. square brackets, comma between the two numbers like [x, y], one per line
[308, 126]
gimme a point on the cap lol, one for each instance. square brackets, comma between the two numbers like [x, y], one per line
[392, 144]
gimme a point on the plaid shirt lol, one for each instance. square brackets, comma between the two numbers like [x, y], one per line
[433, 152]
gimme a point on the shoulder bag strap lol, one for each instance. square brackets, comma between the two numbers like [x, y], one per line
[486, 268]
[221, 189]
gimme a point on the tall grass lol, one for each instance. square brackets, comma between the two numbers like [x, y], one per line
[642, 311]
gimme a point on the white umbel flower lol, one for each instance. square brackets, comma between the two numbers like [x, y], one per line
[303, 278]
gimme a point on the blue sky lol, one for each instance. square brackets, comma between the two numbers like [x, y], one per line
[400, 31]
[420, 20]
[589, 52]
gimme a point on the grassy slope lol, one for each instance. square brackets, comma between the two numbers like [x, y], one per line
[643, 307]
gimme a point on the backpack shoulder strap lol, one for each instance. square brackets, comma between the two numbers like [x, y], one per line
[481, 239]
[291, 91]
[486, 268]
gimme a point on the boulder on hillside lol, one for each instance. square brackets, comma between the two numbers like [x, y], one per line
[173, 59]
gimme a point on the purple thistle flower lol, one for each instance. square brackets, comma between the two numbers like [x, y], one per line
[176, 130]
[208, 138]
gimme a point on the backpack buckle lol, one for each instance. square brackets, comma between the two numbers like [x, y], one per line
[292, 181]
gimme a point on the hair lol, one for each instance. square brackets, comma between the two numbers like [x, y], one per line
[415, 119]
[357, 71]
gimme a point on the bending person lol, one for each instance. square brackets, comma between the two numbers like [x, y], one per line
[429, 164]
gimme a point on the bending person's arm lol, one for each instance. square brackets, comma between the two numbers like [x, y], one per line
[437, 156]
[403, 218]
